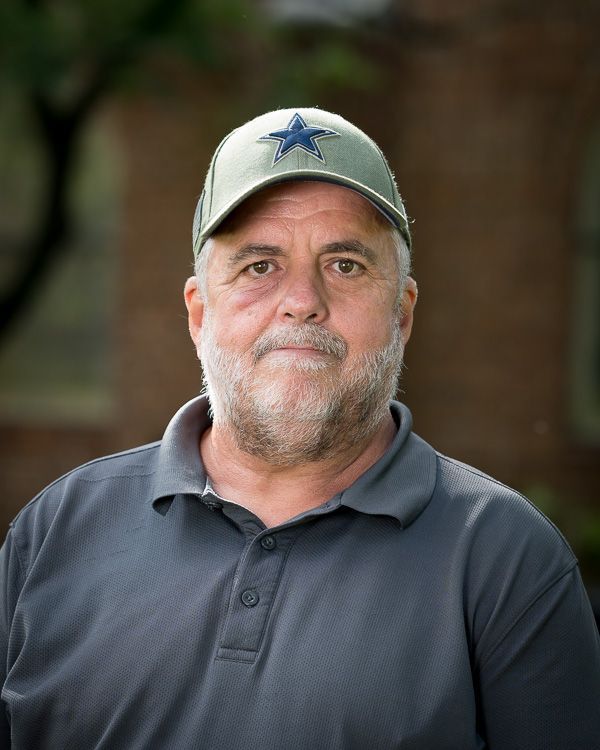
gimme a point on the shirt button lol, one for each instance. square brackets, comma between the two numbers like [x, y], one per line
[268, 542]
[213, 504]
[250, 597]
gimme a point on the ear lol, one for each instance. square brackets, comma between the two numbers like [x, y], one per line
[195, 308]
[409, 300]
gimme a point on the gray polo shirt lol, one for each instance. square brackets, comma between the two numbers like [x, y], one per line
[427, 606]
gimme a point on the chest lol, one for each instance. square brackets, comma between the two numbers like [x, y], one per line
[302, 633]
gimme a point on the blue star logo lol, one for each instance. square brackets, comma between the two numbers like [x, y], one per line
[298, 135]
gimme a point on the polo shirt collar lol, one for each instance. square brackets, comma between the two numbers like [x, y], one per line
[399, 484]
[180, 470]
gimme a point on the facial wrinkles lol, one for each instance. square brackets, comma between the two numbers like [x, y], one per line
[290, 407]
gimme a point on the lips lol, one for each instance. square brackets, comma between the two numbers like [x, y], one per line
[298, 350]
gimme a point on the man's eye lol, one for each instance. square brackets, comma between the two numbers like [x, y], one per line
[260, 268]
[346, 266]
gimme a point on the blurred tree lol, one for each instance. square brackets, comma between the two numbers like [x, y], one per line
[63, 57]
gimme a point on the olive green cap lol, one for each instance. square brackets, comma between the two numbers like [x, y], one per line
[295, 144]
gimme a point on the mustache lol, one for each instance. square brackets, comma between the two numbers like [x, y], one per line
[309, 335]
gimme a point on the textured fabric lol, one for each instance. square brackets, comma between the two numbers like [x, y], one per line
[426, 607]
[294, 144]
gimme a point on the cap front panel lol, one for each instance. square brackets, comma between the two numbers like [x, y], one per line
[296, 144]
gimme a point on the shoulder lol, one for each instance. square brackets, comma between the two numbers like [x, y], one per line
[511, 554]
[125, 465]
[487, 504]
[499, 522]
[121, 478]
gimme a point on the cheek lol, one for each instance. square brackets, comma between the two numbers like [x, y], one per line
[246, 303]
[237, 328]
[243, 303]
[252, 291]
[365, 327]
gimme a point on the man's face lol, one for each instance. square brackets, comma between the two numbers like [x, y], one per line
[301, 308]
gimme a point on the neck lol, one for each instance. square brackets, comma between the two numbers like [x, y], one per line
[275, 492]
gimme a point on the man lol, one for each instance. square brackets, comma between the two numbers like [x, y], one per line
[293, 567]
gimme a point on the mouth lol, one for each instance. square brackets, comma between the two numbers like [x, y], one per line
[295, 348]
[298, 351]
[304, 343]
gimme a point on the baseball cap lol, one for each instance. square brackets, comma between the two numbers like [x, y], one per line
[295, 144]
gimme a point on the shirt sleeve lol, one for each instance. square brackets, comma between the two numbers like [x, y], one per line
[11, 575]
[539, 686]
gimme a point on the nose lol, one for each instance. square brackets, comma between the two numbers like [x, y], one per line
[302, 298]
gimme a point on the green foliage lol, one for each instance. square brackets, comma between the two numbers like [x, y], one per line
[63, 49]
[335, 64]
[58, 47]
[318, 61]
[61, 58]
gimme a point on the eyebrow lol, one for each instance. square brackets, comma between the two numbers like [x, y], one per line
[351, 246]
[253, 251]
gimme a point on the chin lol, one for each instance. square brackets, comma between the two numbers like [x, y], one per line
[293, 363]
[293, 397]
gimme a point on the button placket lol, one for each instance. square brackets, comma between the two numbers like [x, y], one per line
[250, 598]
[255, 585]
[268, 542]
[213, 505]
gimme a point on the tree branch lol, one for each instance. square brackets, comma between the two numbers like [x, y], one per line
[61, 131]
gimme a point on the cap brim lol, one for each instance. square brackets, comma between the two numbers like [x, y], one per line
[391, 212]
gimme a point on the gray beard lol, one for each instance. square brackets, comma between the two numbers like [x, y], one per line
[331, 405]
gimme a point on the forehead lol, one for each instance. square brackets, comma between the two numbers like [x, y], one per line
[306, 202]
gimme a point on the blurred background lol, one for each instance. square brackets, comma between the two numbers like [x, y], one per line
[489, 113]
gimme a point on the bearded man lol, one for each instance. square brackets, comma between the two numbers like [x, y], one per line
[291, 566]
